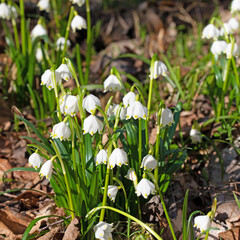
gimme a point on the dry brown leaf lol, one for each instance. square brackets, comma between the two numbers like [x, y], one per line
[50, 235]
[231, 234]
[72, 230]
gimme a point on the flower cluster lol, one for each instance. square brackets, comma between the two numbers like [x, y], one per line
[8, 12]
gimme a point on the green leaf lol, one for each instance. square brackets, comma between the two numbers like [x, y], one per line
[184, 216]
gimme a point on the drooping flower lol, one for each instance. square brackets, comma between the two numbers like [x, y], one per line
[112, 84]
[218, 47]
[159, 69]
[79, 23]
[103, 231]
[149, 162]
[64, 72]
[137, 110]
[210, 31]
[226, 29]
[14, 12]
[111, 110]
[39, 54]
[38, 31]
[5, 11]
[123, 113]
[78, 2]
[118, 157]
[235, 6]
[145, 187]
[60, 43]
[92, 125]
[129, 99]
[231, 50]
[112, 192]
[166, 117]
[69, 105]
[35, 160]
[61, 131]
[202, 222]
[44, 5]
[131, 175]
[101, 157]
[46, 169]
[195, 136]
[233, 23]
[46, 79]
[90, 103]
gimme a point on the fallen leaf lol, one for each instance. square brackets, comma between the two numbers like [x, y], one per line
[72, 230]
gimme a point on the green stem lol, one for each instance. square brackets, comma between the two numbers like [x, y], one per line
[55, 13]
[15, 31]
[157, 152]
[235, 72]
[79, 65]
[140, 142]
[23, 27]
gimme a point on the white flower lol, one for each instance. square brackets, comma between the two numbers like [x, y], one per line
[123, 113]
[112, 84]
[195, 136]
[159, 69]
[46, 169]
[111, 110]
[149, 162]
[225, 29]
[129, 99]
[218, 47]
[35, 160]
[60, 43]
[92, 125]
[5, 11]
[64, 72]
[103, 231]
[144, 188]
[131, 175]
[235, 6]
[39, 54]
[14, 13]
[44, 5]
[78, 22]
[90, 103]
[118, 157]
[38, 31]
[69, 105]
[210, 31]
[78, 2]
[101, 157]
[112, 192]
[137, 110]
[46, 79]
[202, 222]
[166, 117]
[61, 131]
[233, 23]
[231, 52]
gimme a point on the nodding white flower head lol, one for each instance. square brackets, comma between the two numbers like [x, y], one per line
[101, 157]
[35, 160]
[46, 169]
[210, 31]
[225, 29]
[145, 187]
[129, 99]
[235, 6]
[69, 105]
[78, 2]
[103, 231]
[46, 79]
[195, 136]
[39, 54]
[60, 43]
[92, 125]
[233, 23]
[44, 5]
[113, 111]
[166, 117]
[14, 12]
[61, 131]
[118, 157]
[90, 103]
[131, 175]
[112, 84]
[149, 162]
[159, 69]
[137, 110]
[5, 11]
[202, 222]
[38, 31]
[231, 51]
[218, 47]
[64, 72]
[112, 192]
[79, 23]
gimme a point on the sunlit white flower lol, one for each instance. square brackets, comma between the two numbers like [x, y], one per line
[118, 157]
[210, 31]
[233, 23]
[39, 54]
[79, 23]
[103, 231]
[231, 50]
[202, 222]
[195, 135]
[166, 117]
[149, 162]
[14, 12]
[128, 99]
[112, 192]
[69, 105]
[35, 160]
[131, 175]
[92, 125]
[5, 11]
[44, 5]
[90, 103]
[101, 157]
[61, 131]
[78, 2]
[46, 169]
[38, 31]
[60, 43]
[137, 110]
[64, 72]
[159, 69]
[145, 187]
[218, 47]
[226, 29]
[112, 84]
[47, 79]
[235, 6]
[123, 113]
[111, 110]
